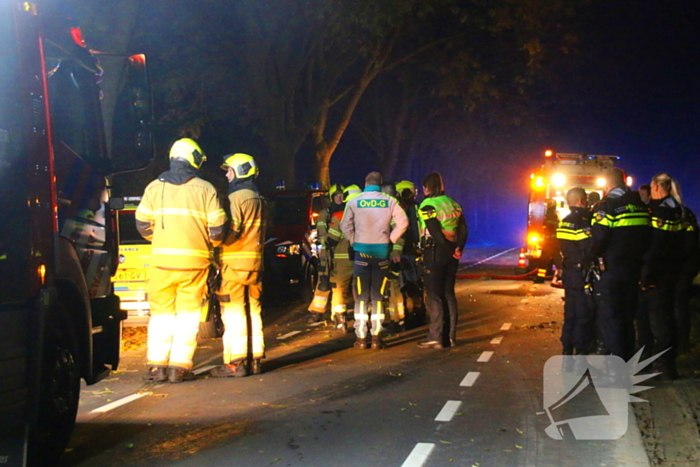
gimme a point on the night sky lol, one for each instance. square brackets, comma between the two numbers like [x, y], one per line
[633, 90]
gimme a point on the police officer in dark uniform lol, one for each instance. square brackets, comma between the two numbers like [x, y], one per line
[575, 242]
[661, 269]
[443, 236]
[621, 232]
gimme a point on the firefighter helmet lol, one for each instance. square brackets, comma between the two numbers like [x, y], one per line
[334, 190]
[187, 149]
[405, 185]
[350, 192]
[242, 164]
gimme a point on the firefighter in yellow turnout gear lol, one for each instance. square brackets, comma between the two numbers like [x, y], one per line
[181, 215]
[336, 267]
[242, 265]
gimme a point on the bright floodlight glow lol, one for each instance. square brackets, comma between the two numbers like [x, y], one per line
[600, 182]
[630, 180]
[534, 238]
[558, 179]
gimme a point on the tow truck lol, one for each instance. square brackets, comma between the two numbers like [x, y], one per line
[60, 320]
[548, 186]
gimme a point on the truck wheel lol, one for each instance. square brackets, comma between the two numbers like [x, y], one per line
[58, 398]
[214, 326]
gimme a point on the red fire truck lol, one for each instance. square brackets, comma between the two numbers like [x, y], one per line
[548, 186]
[60, 321]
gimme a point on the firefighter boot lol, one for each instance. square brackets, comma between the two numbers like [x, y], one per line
[378, 343]
[156, 373]
[230, 370]
[178, 375]
[314, 317]
[361, 343]
[256, 367]
[341, 324]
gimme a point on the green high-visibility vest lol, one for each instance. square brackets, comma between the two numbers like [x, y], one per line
[446, 210]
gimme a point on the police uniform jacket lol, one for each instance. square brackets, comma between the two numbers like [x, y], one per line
[182, 217]
[575, 243]
[664, 257]
[620, 230]
[242, 250]
[442, 226]
[691, 244]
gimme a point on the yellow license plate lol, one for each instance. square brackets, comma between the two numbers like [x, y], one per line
[126, 276]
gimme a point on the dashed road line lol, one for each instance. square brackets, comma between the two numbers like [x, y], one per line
[496, 340]
[289, 334]
[120, 402]
[448, 411]
[470, 379]
[506, 326]
[485, 356]
[419, 455]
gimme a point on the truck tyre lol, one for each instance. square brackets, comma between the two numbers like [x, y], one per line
[213, 327]
[58, 398]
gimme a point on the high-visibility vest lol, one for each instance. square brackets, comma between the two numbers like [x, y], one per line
[446, 210]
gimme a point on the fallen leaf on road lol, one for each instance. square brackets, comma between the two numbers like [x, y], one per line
[445, 442]
[519, 447]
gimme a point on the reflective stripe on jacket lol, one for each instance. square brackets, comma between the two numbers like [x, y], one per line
[242, 249]
[621, 229]
[183, 222]
[443, 208]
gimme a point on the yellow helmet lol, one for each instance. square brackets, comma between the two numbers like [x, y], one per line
[334, 190]
[187, 149]
[242, 164]
[405, 185]
[350, 192]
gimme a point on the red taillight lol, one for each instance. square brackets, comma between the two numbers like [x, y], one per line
[77, 35]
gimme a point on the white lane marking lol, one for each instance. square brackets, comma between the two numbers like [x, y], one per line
[490, 257]
[203, 369]
[470, 379]
[485, 356]
[119, 403]
[419, 455]
[506, 326]
[448, 411]
[496, 340]
[289, 334]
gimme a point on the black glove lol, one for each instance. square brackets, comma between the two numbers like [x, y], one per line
[351, 253]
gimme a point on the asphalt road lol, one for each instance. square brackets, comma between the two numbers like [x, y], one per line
[322, 403]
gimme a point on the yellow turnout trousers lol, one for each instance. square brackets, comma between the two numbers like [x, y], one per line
[395, 305]
[176, 298]
[239, 297]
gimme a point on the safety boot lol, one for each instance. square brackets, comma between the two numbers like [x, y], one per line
[314, 317]
[256, 366]
[156, 374]
[361, 343]
[230, 370]
[341, 324]
[178, 375]
[378, 343]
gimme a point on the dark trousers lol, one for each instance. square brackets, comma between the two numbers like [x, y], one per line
[439, 284]
[616, 297]
[370, 287]
[642, 326]
[662, 318]
[683, 292]
[578, 331]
